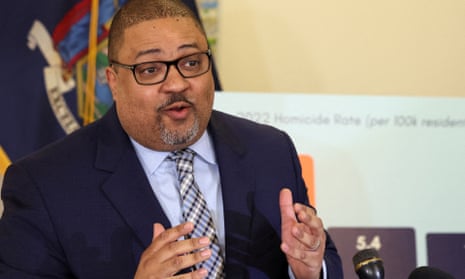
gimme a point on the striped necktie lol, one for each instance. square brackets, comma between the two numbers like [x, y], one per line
[195, 210]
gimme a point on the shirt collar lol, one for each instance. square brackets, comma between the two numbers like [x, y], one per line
[152, 159]
[204, 148]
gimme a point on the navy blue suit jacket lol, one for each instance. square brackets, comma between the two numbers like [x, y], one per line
[83, 207]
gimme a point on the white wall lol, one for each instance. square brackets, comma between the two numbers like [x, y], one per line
[396, 47]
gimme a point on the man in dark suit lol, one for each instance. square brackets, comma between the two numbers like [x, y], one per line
[104, 201]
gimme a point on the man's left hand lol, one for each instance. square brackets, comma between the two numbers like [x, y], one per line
[303, 237]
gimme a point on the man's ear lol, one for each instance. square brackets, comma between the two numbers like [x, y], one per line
[112, 81]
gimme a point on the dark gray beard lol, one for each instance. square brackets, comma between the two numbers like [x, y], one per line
[171, 137]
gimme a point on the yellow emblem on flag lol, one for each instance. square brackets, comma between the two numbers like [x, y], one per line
[4, 161]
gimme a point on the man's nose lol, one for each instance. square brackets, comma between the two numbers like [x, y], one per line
[174, 79]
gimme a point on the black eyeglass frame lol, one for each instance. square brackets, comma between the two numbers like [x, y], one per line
[168, 64]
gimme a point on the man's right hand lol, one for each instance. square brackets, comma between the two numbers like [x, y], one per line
[168, 254]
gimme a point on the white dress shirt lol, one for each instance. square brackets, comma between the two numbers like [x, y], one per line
[162, 176]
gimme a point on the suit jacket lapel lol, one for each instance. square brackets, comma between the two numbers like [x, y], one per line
[237, 184]
[127, 186]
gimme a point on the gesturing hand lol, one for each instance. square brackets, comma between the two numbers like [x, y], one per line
[303, 237]
[167, 254]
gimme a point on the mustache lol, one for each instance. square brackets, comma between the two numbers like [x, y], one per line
[174, 98]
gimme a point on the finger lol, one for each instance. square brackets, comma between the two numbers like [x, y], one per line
[304, 257]
[188, 246]
[298, 207]
[310, 231]
[286, 206]
[168, 254]
[307, 216]
[182, 261]
[307, 240]
[304, 247]
[163, 236]
[151, 266]
[169, 243]
[157, 230]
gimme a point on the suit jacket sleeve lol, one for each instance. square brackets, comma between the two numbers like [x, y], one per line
[28, 245]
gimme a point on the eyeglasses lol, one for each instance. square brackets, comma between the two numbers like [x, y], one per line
[153, 72]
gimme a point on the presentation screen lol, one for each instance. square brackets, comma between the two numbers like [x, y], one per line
[377, 163]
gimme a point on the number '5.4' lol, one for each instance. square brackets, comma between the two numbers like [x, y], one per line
[364, 243]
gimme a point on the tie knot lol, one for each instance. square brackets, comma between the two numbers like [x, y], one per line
[184, 160]
[184, 154]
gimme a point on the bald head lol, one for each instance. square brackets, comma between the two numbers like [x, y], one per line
[137, 11]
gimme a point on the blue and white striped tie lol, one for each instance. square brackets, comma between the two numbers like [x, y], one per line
[195, 210]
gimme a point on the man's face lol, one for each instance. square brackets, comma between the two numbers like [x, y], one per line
[174, 113]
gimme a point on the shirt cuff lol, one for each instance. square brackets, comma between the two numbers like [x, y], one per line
[323, 274]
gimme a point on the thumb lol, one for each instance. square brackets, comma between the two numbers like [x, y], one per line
[286, 206]
[157, 230]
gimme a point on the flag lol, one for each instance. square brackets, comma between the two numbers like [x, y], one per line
[4, 162]
[52, 79]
